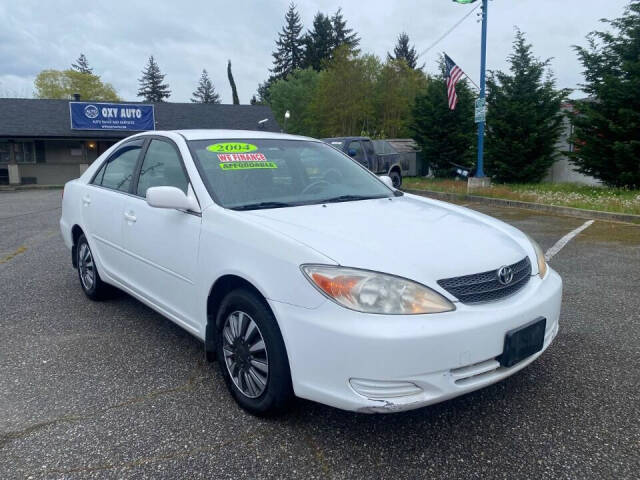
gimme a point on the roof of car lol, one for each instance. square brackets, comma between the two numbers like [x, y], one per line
[218, 134]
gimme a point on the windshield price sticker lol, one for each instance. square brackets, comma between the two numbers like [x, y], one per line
[244, 161]
[232, 147]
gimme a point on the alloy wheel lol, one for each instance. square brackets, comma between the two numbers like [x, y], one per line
[245, 354]
[86, 267]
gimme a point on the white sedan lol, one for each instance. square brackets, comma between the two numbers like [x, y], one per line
[306, 275]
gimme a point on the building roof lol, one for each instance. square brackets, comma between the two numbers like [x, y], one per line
[22, 117]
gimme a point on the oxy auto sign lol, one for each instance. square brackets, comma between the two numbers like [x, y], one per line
[111, 116]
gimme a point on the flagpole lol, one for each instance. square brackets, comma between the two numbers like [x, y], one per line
[483, 69]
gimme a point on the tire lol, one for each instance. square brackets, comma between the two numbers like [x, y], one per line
[90, 281]
[243, 319]
[396, 178]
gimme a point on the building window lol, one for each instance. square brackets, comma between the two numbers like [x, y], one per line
[5, 152]
[24, 152]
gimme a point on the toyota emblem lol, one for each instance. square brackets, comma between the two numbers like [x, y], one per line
[505, 275]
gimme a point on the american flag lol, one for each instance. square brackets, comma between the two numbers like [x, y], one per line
[454, 73]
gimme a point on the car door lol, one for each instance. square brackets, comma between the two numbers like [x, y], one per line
[103, 202]
[162, 243]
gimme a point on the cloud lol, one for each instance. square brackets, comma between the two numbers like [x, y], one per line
[185, 37]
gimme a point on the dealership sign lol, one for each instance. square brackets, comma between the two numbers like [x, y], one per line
[111, 116]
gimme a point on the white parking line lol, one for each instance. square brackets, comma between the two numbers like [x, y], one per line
[560, 244]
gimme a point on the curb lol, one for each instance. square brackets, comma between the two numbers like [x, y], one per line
[14, 188]
[540, 207]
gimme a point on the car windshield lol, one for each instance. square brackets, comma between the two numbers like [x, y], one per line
[247, 174]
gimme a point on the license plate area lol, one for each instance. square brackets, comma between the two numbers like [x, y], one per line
[522, 342]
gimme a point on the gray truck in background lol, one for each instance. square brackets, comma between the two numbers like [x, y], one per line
[362, 150]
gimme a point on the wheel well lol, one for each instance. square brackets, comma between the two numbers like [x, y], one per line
[76, 231]
[396, 168]
[223, 285]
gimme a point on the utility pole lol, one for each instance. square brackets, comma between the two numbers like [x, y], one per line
[483, 81]
[481, 104]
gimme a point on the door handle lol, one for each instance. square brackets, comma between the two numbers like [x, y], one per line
[130, 217]
[86, 200]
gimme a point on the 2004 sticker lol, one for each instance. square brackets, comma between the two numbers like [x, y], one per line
[232, 147]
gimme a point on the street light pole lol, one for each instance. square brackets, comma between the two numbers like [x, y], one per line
[483, 70]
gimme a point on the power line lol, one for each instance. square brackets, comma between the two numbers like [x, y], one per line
[449, 31]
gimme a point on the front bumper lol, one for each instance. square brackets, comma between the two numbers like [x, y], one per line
[333, 351]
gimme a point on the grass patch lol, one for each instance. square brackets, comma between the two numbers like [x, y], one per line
[604, 199]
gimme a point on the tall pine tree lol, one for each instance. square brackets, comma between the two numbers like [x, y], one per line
[524, 119]
[289, 45]
[232, 82]
[404, 51]
[343, 35]
[82, 65]
[319, 42]
[607, 125]
[446, 136]
[152, 88]
[205, 93]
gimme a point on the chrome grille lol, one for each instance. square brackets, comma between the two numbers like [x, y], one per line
[485, 287]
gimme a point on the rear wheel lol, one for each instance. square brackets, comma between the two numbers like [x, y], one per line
[396, 178]
[252, 355]
[90, 281]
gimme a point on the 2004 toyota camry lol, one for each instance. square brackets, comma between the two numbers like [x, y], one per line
[306, 275]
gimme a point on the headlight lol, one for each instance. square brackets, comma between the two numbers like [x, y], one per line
[373, 292]
[542, 262]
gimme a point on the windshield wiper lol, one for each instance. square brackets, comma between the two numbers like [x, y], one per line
[263, 205]
[349, 198]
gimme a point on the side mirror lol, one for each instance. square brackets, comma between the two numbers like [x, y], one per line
[172, 197]
[386, 179]
[351, 152]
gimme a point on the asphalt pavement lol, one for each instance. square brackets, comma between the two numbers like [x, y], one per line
[114, 390]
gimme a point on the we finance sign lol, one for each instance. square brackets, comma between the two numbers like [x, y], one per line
[111, 116]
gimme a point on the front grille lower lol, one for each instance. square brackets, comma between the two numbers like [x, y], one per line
[485, 287]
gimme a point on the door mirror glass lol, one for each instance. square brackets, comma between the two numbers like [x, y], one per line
[171, 197]
[352, 152]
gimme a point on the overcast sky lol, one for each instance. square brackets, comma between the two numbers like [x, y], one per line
[188, 35]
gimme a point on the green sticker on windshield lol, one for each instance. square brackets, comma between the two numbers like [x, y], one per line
[247, 165]
[232, 147]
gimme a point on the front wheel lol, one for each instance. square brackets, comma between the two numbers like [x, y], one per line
[252, 355]
[396, 178]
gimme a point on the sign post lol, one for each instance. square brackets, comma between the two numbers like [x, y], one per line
[483, 70]
[479, 180]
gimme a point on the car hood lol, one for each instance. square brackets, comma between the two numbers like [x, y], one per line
[408, 236]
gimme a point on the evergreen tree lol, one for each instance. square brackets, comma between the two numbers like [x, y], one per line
[445, 136]
[289, 53]
[319, 42]
[524, 119]
[404, 51]
[343, 35]
[234, 90]
[205, 93]
[82, 65]
[607, 125]
[151, 87]
[264, 96]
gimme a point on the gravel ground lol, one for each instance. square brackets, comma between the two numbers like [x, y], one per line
[113, 390]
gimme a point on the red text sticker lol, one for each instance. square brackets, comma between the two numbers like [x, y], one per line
[241, 157]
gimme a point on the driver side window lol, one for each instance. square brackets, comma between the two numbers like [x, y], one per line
[161, 167]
